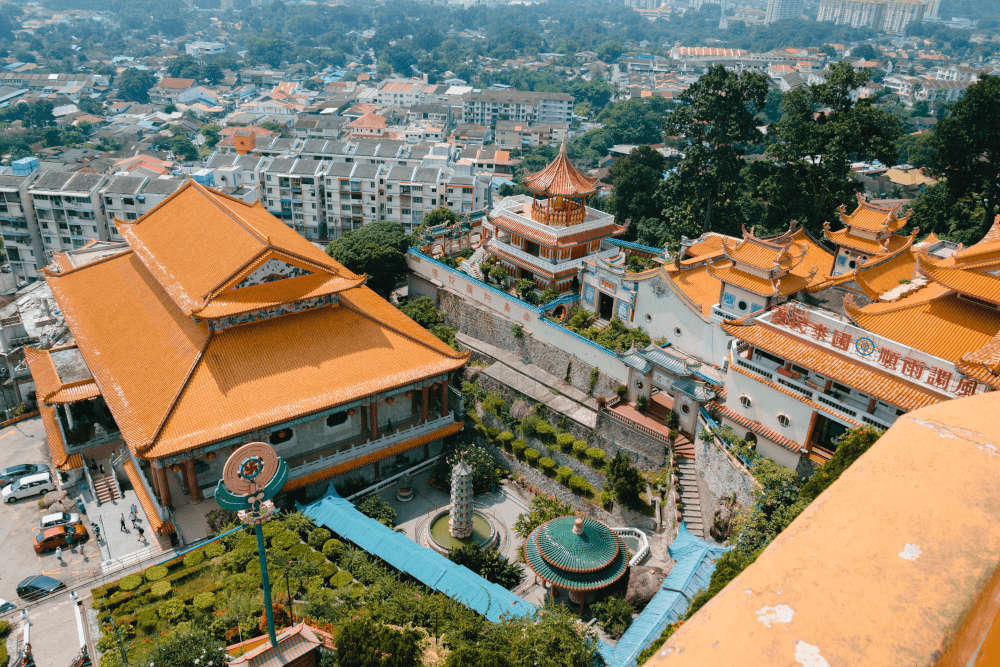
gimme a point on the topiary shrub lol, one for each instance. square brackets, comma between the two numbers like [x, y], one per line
[313, 584]
[118, 598]
[342, 578]
[579, 485]
[99, 603]
[327, 570]
[518, 447]
[596, 456]
[147, 619]
[214, 550]
[547, 465]
[504, 439]
[318, 538]
[204, 601]
[160, 589]
[286, 540]
[607, 500]
[194, 558]
[300, 551]
[332, 548]
[563, 474]
[131, 582]
[579, 449]
[565, 441]
[171, 610]
[532, 456]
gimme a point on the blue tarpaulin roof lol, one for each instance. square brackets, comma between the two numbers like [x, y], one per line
[695, 563]
[427, 566]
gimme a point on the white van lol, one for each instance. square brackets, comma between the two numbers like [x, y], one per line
[32, 485]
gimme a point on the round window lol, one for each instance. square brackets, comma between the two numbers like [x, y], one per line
[852, 264]
[638, 384]
[649, 318]
[784, 420]
[686, 409]
[677, 331]
[751, 438]
[742, 305]
[746, 402]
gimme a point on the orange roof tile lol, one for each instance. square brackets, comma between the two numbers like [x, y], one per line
[816, 263]
[933, 320]
[788, 284]
[148, 506]
[758, 428]
[238, 235]
[872, 217]
[553, 241]
[178, 84]
[979, 285]
[57, 448]
[347, 466]
[370, 121]
[884, 386]
[268, 295]
[706, 244]
[698, 285]
[48, 385]
[843, 237]
[767, 254]
[560, 178]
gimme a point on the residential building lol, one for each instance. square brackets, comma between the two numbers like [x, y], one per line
[181, 356]
[319, 127]
[892, 16]
[545, 240]
[129, 198]
[487, 107]
[780, 10]
[69, 209]
[514, 135]
[354, 196]
[412, 192]
[168, 90]
[400, 92]
[263, 77]
[22, 242]
[202, 49]
[369, 126]
[292, 190]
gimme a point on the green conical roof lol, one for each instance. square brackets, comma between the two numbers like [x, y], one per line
[591, 559]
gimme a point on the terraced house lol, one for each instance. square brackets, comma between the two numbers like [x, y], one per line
[219, 325]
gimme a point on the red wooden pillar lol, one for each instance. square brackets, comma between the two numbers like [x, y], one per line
[192, 481]
[444, 399]
[373, 418]
[160, 475]
[810, 431]
[425, 398]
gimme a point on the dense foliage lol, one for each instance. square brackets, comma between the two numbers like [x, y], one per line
[362, 642]
[625, 482]
[378, 250]
[614, 614]
[374, 507]
[542, 509]
[491, 565]
[486, 474]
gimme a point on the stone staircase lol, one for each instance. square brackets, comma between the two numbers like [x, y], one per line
[691, 512]
[106, 488]
[471, 265]
[599, 324]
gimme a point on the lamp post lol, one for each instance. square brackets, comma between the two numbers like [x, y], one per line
[253, 475]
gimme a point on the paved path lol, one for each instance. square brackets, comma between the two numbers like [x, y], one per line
[534, 382]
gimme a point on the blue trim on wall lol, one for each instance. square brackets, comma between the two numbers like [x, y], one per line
[636, 246]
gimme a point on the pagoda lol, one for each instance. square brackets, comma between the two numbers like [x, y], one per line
[579, 554]
[545, 236]
[870, 232]
[460, 517]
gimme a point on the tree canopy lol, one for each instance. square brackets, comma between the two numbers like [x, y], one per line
[379, 250]
[134, 84]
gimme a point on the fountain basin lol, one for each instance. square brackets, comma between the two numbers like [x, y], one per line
[437, 537]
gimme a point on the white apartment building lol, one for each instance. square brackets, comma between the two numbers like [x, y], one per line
[353, 196]
[292, 190]
[779, 10]
[68, 209]
[487, 107]
[513, 135]
[400, 93]
[202, 49]
[21, 240]
[131, 197]
[892, 16]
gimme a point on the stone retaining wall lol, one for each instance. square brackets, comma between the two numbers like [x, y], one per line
[723, 475]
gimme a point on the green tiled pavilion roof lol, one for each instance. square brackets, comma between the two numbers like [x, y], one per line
[598, 556]
[563, 549]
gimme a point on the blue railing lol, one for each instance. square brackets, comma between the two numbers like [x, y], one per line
[198, 545]
[636, 246]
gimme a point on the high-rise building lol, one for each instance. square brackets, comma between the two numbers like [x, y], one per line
[892, 16]
[779, 10]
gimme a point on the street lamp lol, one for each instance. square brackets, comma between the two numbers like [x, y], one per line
[253, 475]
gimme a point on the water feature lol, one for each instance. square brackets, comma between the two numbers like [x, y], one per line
[483, 532]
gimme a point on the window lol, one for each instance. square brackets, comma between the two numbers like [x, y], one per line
[128, 200]
[45, 225]
[686, 409]
[841, 388]
[649, 318]
[784, 421]
[745, 401]
[278, 437]
[336, 419]
[677, 331]
[799, 369]
[770, 357]
[64, 239]
[742, 305]
[47, 239]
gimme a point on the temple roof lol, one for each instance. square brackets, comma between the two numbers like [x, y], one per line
[60, 375]
[871, 217]
[779, 253]
[560, 178]
[791, 260]
[971, 283]
[590, 560]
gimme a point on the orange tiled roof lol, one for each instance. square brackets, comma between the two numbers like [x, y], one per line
[706, 244]
[354, 464]
[767, 254]
[370, 121]
[987, 248]
[553, 241]
[932, 319]
[815, 265]
[537, 270]
[698, 285]
[172, 384]
[844, 370]
[241, 236]
[148, 505]
[49, 387]
[179, 84]
[787, 284]
[843, 237]
[979, 285]
[871, 217]
[57, 448]
[560, 178]
[758, 428]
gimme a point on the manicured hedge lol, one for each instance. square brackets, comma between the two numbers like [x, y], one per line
[318, 538]
[332, 548]
[579, 485]
[156, 573]
[547, 465]
[342, 578]
[215, 549]
[160, 589]
[563, 474]
[518, 447]
[565, 441]
[130, 582]
[171, 610]
[505, 439]
[147, 619]
[579, 448]
[204, 601]
[532, 456]
[194, 558]
[596, 456]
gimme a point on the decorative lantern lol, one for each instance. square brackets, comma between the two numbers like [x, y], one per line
[409, 394]
[390, 400]
[211, 456]
[350, 413]
[176, 467]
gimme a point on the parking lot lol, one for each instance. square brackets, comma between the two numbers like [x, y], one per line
[24, 442]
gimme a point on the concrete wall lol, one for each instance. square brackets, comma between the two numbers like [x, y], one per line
[723, 474]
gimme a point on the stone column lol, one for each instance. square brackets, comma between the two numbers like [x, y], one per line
[160, 475]
[192, 481]
[444, 399]
[425, 398]
[373, 418]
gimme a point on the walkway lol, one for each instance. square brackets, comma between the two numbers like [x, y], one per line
[683, 447]
[532, 381]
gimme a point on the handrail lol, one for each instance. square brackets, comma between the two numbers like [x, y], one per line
[386, 483]
[635, 425]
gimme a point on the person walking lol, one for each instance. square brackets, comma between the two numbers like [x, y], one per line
[134, 512]
[102, 468]
[59, 554]
[124, 530]
[142, 535]
[135, 521]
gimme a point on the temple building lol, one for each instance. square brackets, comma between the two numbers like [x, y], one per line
[869, 232]
[545, 239]
[218, 325]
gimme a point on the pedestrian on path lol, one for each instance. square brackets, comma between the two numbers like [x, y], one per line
[59, 554]
[142, 535]
[124, 530]
[135, 521]
[102, 468]
[134, 511]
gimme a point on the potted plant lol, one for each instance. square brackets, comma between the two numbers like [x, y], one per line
[641, 403]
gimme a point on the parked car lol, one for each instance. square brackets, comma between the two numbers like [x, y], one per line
[58, 519]
[14, 473]
[6, 606]
[38, 586]
[32, 485]
[60, 536]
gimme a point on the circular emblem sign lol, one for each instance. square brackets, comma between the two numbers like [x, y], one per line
[865, 347]
[250, 468]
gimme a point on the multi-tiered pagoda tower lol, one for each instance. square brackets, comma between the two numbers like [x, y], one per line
[460, 519]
